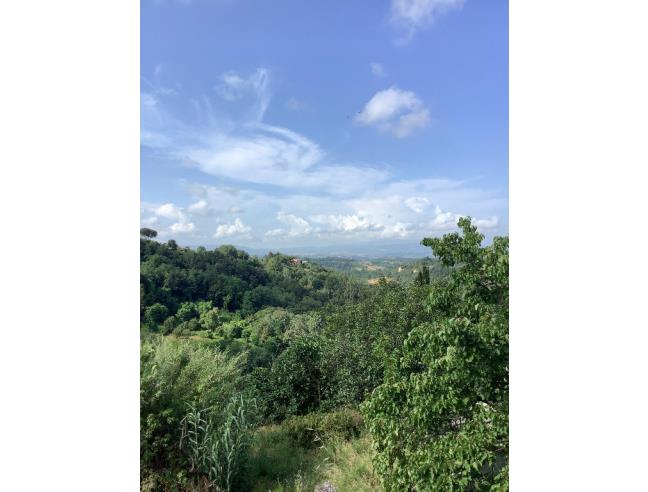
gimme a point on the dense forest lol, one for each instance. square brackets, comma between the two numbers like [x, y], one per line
[279, 374]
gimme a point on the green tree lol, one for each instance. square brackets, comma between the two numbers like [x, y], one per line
[423, 275]
[148, 233]
[365, 338]
[156, 314]
[187, 311]
[293, 386]
[440, 419]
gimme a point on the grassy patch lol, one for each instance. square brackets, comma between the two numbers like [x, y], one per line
[280, 463]
[350, 465]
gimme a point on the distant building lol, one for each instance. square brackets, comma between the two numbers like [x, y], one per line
[295, 261]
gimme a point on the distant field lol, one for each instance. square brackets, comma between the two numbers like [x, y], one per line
[371, 271]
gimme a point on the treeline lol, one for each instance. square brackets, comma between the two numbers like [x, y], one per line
[172, 277]
[420, 368]
[399, 269]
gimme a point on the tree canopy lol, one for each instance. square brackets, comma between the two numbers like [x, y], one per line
[440, 419]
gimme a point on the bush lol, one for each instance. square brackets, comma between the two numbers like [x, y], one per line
[293, 385]
[169, 325]
[187, 327]
[315, 428]
[187, 311]
[156, 314]
[174, 374]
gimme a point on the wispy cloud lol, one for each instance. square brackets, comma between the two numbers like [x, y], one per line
[395, 111]
[233, 87]
[377, 69]
[409, 16]
[285, 183]
[294, 104]
[249, 150]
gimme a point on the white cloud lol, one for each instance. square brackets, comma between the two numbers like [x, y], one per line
[345, 223]
[237, 228]
[275, 232]
[247, 149]
[297, 226]
[233, 87]
[445, 221]
[486, 223]
[318, 199]
[198, 206]
[395, 111]
[397, 230]
[417, 204]
[168, 211]
[253, 152]
[402, 210]
[149, 221]
[182, 227]
[377, 69]
[411, 15]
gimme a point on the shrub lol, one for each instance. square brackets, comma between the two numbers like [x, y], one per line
[187, 327]
[293, 385]
[312, 430]
[187, 311]
[156, 314]
[169, 325]
[173, 374]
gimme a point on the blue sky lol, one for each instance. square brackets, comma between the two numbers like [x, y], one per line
[290, 123]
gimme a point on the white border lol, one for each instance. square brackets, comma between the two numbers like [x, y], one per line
[69, 195]
[578, 99]
[69, 113]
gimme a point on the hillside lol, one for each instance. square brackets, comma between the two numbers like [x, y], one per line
[283, 373]
[371, 270]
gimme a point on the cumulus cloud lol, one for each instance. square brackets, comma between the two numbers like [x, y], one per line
[168, 211]
[287, 184]
[396, 111]
[377, 69]
[182, 227]
[295, 226]
[345, 223]
[411, 15]
[397, 230]
[445, 221]
[237, 228]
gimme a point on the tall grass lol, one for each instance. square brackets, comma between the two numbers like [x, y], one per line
[350, 466]
[218, 451]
